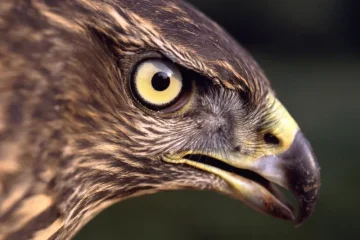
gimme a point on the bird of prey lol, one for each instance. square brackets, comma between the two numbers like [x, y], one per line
[102, 100]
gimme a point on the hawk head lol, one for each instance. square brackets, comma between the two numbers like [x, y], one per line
[107, 100]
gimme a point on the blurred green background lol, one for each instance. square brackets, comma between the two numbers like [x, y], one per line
[310, 49]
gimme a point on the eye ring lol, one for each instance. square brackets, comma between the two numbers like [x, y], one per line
[158, 84]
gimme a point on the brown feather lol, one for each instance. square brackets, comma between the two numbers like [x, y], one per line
[72, 141]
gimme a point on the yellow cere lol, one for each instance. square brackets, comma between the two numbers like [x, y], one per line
[145, 89]
[285, 127]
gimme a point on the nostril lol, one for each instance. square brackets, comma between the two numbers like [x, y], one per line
[271, 139]
[237, 149]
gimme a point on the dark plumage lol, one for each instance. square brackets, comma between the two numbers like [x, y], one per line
[75, 139]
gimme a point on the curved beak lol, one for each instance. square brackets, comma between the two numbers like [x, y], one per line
[253, 178]
[297, 170]
[254, 182]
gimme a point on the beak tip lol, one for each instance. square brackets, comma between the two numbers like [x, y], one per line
[307, 201]
[304, 176]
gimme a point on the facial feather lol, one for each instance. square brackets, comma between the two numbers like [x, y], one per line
[84, 143]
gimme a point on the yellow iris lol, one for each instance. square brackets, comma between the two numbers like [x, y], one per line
[157, 82]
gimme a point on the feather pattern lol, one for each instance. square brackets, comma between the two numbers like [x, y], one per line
[73, 141]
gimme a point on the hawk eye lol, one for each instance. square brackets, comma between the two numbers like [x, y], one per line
[157, 84]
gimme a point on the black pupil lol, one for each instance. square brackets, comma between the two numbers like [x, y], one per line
[160, 81]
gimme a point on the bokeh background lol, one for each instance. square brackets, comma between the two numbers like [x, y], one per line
[310, 49]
